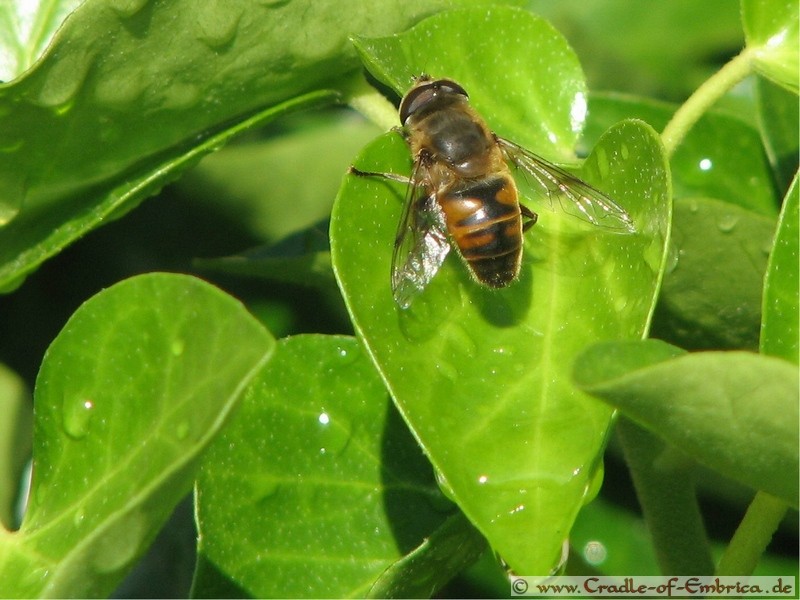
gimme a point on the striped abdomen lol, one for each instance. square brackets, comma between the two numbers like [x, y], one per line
[485, 223]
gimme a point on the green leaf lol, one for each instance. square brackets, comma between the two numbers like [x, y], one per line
[780, 331]
[316, 487]
[445, 552]
[266, 185]
[16, 418]
[464, 45]
[712, 292]
[136, 385]
[721, 157]
[136, 91]
[613, 540]
[736, 412]
[481, 376]
[26, 31]
[660, 49]
[771, 31]
[779, 123]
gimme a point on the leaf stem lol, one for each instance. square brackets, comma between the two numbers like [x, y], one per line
[368, 101]
[665, 489]
[703, 98]
[752, 536]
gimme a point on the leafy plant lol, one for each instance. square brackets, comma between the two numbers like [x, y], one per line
[472, 425]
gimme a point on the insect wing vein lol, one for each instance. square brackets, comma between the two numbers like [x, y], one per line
[575, 197]
[421, 244]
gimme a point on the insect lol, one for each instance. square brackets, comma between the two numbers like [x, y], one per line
[462, 193]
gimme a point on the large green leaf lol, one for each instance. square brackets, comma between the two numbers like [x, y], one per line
[136, 385]
[780, 330]
[316, 487]
[480, 376]
[515, 73]
[736, 412]
[780, 128]
[131, 93]
[721, 157]
[712, 292]
[26, 29]
[771, 31]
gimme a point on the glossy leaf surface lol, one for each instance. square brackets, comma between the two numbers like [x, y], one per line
[481, 376]
[736, 412]
[780, 330]
[316, 487]
[135, 92]
[771, 31]
[135, 386]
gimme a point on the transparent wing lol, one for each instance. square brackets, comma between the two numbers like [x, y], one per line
[576, 197]
[421, 244]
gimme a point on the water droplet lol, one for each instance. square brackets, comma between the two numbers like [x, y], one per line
[727, 223]
[601, 161]
[120, 89]
[177, 347]
[672, 258]
[127, 8]
[595, 552]
[63, 81]
[79, 516]
[444, 485]
[77, 416]
[7, 212]
[483, 479]
[653, 254]
[179, 95]
[120, 544]
[182, 430]
[217, 23]
[333, 433]
[705, 164]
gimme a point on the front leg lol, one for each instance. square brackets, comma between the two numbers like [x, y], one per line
[532, 217]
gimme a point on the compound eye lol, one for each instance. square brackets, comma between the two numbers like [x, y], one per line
[451, 87]
[416, 98]
[425, 92]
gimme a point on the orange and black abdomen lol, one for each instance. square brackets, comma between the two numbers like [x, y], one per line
[484, 220]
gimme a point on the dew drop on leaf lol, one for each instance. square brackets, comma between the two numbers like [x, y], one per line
[727, 223]
[177, 347]
[182, 430]
[120, 543]
[333, 433]
[77, 417]
[127, 8]
[216, 23]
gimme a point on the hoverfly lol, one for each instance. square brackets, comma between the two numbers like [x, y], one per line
[462, 194]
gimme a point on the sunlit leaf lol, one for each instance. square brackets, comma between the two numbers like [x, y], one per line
[136, 385]
[482, 377]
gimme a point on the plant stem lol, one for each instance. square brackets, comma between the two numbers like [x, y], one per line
[368, 101]
[665, 489]
[703, 98]
[752, 536]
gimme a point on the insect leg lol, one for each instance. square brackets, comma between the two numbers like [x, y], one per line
[391, 176]
[530, 215]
